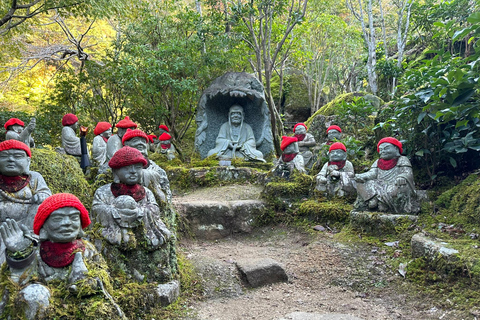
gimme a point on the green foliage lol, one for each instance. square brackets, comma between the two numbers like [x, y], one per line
[356, 115]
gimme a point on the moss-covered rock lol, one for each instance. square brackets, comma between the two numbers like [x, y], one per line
[62, 173]
[326, 212]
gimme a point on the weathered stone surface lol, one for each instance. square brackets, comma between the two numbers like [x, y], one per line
[260, 272]
[36, 298]
[377, 223]
[233, 88]
[318, 316]
[219, 219]
[168, 293]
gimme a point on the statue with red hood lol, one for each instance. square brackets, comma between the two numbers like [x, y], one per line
[305, 142]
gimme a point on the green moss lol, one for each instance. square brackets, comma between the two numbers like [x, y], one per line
[62, 173]
[332, 211]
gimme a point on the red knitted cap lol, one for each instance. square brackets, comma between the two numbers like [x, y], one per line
[164, 127]
[334, 127]
[126, 123]
[164, 137]
[13, 121]
[299, 124]
[391, 140]
[57, 201]
[152, 137]
[15, 144]
[101, 128]
[69, 119]
[130, 134]
[126, 156]
[337, 145]
[286, 141]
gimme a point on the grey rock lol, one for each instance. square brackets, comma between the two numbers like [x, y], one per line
[233, 88]
[169, 292]
[376, 223]
[318, 316]
[261, 272]
[36, 298]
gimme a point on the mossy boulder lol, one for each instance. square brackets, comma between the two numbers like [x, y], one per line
[325, 212]
[281, 194]
[62, 173]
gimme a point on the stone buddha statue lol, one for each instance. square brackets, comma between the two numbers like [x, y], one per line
[305, 142]
[70, 141]
[130, 218]
[291, 160]
[336, 176]
[114, 143]
[58, 254]
[333, 133]
[166, 146]
[16, 130]
[153, 176]
[388, 186]
[235, 138]
[102, 131]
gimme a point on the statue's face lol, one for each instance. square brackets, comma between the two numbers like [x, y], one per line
[236, 117]
[121, 132]
[300, 130]
[388, 151]
[291, 148]
[129, 174]
[337, 155]
[14, 162]
[16, 128]
[165, 142]
[334, 134]
[140, 144]
[106, 133]
[63, 225]
[74, 126]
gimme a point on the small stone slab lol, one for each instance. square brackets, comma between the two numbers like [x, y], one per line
[437, 253]
[378, 223]
[319, 316]
[261, 272]
[168, 292]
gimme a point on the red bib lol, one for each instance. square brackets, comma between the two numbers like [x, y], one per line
[58, 254]
[13, 184]
[387, 164]
[135, 191]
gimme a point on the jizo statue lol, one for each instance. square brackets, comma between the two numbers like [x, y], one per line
[16, 130]
[102, 132]
[115, 142]
[305, 142]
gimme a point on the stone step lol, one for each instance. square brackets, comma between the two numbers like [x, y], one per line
[257, 272]
[218, 219]
[378, 223]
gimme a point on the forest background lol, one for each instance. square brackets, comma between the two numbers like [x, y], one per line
[151, 60]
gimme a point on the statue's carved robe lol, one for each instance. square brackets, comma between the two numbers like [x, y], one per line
[382, 184]
[70, 142]
[114, 144]
[99, 150]
[305, 151]
[245, 139]
[24, 137]
[345, 184]
[156, 179]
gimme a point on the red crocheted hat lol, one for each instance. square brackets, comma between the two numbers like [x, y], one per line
[13, 121]
[391, 140]
[15, 144]
[130, 134]
[152, 137]
[69, 119]
[101, 128]
[337, 145]
[286, 141]
[126, 123]
[164, 127]
[57, 201]
[164, 137]
[299, 124]
[125, 157]
[334, 127]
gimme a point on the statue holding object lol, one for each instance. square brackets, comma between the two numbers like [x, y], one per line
[305, 142]
[102, 132]
[16, 130]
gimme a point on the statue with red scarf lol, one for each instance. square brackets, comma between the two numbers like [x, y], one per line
[388, 186]
[166, 146]
[336, 176]
[305, 142]
[291, 160]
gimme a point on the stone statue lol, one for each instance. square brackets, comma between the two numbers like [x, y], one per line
[336, 176]
[388, 186]
[21, 190]
[290, 160]
[162, 129]
[152, 143]
[333, 133]
[70, 141]
[130, 218]
[236, 139]
[305, 142]
[153, 177]
[234, 88]
[102, 132]
[16, 130]
[114, 143]
[166, 146]
[59, 255]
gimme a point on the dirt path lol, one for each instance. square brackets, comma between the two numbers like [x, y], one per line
[325, 277]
